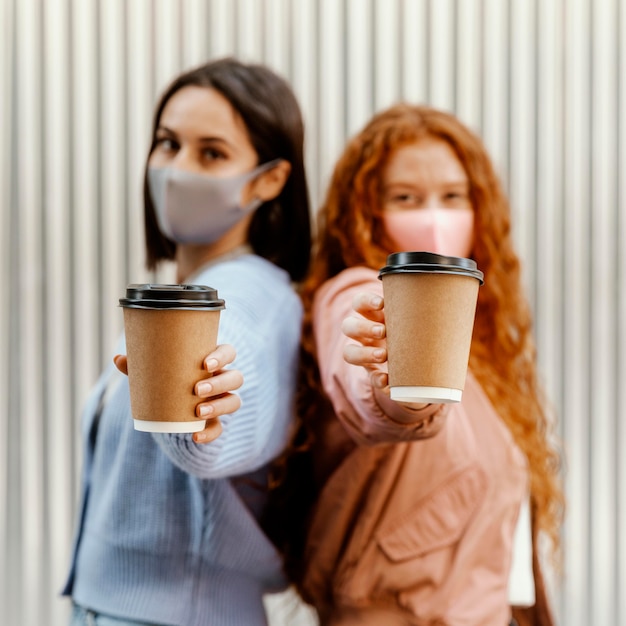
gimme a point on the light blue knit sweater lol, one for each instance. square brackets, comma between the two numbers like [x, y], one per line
[164, 534]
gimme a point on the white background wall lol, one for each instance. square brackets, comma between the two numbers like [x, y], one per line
[542, 81]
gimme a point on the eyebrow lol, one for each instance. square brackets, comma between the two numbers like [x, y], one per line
[402, 183]
[413, 185]
[204, 140]
[165, 129]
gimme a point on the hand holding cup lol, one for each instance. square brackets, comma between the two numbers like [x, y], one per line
[216, 393]
[170, 330]
[368, 328]
[430, 308]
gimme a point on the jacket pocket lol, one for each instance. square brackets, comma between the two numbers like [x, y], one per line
[414, 550]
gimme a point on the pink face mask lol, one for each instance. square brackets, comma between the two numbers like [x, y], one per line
[443, 231]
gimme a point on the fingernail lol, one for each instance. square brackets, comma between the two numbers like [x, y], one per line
[211, 364]
[376, 301]
[205, 409]
[378, 330]
[204, 388]
[379, 353]
[199, 437]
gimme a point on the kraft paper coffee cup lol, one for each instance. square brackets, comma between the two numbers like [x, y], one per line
[169, 330]
[430, 305]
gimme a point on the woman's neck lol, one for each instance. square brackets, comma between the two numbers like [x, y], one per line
[191, 258]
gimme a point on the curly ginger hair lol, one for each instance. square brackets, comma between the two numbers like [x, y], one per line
[503, 353]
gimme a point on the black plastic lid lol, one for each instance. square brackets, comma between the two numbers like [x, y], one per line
[150, 296]
[419, 262]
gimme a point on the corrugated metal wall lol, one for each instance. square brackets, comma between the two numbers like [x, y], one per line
[541, 80]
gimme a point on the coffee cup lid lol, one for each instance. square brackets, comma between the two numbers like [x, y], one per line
[183, 297]
[421, 262]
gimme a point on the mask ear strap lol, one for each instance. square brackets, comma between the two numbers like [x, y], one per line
[255, 203]
[264, 167]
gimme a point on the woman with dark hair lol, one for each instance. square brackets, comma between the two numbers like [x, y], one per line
[413, 507]
[168, 532]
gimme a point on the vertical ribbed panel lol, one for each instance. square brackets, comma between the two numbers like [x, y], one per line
[359, 90]
[575, 407]
[386, 58]
[413, 35]
[138, 81]
[440, 35]
[7, 402]
[542, 81]
[467, 62]
[619, 444]
[28, 279]
[603, 328]
[329, 127]
[58, 426]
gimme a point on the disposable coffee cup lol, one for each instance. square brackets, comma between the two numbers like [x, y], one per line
[169, 330]
[430, 305]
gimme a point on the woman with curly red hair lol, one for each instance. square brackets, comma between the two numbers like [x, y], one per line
[414, 507]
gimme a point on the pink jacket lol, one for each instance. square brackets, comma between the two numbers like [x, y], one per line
[415, 521]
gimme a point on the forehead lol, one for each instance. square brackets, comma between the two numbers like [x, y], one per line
[426, 160]
[203, 111]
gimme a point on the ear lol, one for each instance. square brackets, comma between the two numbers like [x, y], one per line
[269, 185]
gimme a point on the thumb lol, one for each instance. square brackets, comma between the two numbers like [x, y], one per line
[121, 362]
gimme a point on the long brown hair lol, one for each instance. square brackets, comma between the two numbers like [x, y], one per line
[503, 357]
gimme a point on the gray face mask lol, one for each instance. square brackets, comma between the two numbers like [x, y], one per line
[197, 208]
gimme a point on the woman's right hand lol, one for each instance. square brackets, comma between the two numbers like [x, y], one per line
[371, 352]
[368, 329]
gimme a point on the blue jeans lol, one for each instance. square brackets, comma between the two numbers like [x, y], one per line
[85, 617]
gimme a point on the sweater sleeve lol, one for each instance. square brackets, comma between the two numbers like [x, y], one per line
[262, 320]
[368, 419]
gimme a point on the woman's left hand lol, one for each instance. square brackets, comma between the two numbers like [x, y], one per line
[216, 391]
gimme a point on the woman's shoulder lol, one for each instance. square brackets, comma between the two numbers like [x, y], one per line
[254, 285]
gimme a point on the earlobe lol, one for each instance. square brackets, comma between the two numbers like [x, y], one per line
[269, 185]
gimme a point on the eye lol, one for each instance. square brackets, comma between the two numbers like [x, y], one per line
[405, 199]
[166, 144]
[212, 154]
[456, 197]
